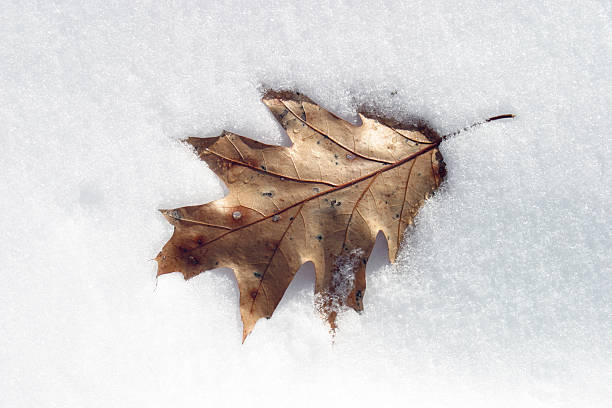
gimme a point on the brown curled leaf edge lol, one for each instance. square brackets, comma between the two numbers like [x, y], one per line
[322, 200]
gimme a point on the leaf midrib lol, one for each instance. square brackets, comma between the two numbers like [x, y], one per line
[331, 190]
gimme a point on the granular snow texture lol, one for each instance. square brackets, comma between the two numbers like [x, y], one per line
[502, 294]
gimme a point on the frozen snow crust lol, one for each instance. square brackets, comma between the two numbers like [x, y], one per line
[502, 293]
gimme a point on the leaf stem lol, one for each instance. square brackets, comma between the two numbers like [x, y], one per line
[482, 122]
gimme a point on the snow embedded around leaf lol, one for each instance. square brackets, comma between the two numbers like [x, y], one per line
[323, 199]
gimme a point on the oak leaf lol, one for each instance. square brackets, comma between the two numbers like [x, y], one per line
[324, 199]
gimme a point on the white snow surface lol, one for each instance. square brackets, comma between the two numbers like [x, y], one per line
[502, 293]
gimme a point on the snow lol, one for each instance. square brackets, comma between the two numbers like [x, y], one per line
[501, 296]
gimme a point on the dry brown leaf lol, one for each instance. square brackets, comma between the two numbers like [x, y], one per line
[324, 200]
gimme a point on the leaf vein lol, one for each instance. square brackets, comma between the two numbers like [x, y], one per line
[332, 139]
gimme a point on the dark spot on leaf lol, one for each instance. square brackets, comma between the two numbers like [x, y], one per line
[335, 156]
[253, 293]
[263, 167]
[358, 296]
[319, 237]
[315, 189]
[216, 263]
[267, 194]
[365, 261]
[193, 260]
[257, 274]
